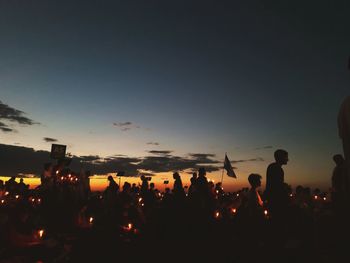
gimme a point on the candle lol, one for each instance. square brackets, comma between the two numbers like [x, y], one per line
[266, 213]
[91, 220]
[41, 233]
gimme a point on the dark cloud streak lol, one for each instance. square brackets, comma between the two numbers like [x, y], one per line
[48, 139]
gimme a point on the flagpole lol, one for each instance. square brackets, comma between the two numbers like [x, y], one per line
[222, 175]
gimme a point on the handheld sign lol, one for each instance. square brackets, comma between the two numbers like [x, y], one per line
[58, 151]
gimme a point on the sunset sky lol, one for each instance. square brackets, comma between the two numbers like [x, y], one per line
[148, 83]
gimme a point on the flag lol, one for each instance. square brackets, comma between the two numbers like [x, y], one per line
[228, 168]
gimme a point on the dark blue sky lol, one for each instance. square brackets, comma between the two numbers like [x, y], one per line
[194, 76]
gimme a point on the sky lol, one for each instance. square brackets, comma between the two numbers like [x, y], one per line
[143, 84]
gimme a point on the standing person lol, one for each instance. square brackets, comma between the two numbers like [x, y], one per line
[275, 192]
[277, 201]
[339, 183]
[144, 186]
[344, 134]
[178, 189]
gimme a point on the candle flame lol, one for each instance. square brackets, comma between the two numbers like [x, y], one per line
[41, 233]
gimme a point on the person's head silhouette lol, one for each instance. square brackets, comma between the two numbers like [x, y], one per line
[338, 159]
[254, 180]
[281, 157]
[201, 171]
[176, 176]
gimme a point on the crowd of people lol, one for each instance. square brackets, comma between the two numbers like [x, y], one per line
[63, 221]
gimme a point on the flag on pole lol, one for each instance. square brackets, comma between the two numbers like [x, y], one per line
[228, 167]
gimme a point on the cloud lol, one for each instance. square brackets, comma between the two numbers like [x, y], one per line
[168, 163]
[204, 158]
[259, 159]
[5, 128]
[48, 139]
[264, 147]
[153, 143]
[157, 152]
[126, 126]
[10, 114]
[29, 161]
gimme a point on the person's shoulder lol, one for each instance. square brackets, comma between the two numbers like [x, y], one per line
[272, 166]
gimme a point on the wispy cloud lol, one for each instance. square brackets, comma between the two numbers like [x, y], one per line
[153, 143]
[158, 152]
[48, 139]
[126, 126]
[13, 115]
[264, 147]
[259, 159]
[5, 128]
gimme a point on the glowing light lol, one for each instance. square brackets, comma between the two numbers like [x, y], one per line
[41, 233]
[39, 200]
[324, 198]
[69, 175]
[7, 193]
[266, 212]
[217, 214]
[237, 195]
[57, 172]
[316, 197]
[33, 200]
[2, 201]
[129, 226]
[234, 211]
[140, 199]
[217, 191]
[291, 195]
[91, 220]
[17, 196]
[62, 178]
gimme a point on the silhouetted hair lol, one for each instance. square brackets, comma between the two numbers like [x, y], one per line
[280, 154]
[254, 179]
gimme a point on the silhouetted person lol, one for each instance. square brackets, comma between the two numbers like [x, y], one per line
[11, 185]
[277, 201]
[113, 186]
[202, 183]
[178, 189]
[339, 183]
[344, 134]
[144, 186]
[22, 187]
[254, 201]
[275, 192]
